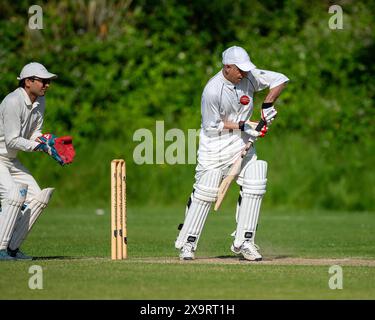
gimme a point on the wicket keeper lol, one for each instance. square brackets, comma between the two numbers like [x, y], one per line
[21, 120]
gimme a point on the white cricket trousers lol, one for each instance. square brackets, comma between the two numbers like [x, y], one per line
[11, 172]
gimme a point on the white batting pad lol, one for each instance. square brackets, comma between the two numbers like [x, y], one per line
[207, 186]
[205, 192]
[11, 207]
[28, 217]
[248, 207]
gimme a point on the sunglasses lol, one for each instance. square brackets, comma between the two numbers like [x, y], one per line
[44, 81]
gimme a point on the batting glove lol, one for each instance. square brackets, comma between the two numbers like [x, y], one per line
[249, 128]
[268, 112]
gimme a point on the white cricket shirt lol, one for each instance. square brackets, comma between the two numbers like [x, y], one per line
[220, 102]
[20, 123]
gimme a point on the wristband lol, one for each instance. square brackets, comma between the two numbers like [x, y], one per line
[267, 105]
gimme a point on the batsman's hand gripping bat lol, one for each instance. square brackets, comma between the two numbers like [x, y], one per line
[235, 169]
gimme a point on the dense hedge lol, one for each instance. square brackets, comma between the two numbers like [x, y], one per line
[122, 65]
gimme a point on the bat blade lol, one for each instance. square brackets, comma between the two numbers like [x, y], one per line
[224, 186]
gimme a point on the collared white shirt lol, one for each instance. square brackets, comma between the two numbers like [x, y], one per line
[220, 102]
[20, 123]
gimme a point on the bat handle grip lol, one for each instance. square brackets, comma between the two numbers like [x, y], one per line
[260, 125]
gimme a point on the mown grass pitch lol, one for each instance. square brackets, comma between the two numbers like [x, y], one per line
[73, 248]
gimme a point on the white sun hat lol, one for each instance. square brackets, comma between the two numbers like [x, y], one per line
[35, 69]
[239, 57]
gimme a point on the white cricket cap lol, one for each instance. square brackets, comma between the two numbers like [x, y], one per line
[239, 57]
[35, 69]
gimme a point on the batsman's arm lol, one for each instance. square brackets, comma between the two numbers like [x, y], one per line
[231, 125]
[274, 93]
[268, 112]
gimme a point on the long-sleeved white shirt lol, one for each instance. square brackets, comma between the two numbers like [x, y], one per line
[20, 123]
[220, 102]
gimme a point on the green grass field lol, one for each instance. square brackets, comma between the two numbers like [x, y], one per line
[73, 246]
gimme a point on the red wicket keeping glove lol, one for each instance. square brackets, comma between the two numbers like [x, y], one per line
[59, 148]
[64, 147]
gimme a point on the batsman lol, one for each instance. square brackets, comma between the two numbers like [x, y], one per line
[21, 121]
[226, 106]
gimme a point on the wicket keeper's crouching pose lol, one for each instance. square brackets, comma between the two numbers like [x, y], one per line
[226, 105]
[21, 120]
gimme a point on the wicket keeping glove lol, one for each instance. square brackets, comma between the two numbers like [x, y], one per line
[60, 149]
[268, 112]
[65, 149]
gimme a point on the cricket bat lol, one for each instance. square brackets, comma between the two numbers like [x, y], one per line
[235, 170]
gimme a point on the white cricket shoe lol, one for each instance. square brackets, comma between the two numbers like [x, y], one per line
[187, 252]
[248, 250]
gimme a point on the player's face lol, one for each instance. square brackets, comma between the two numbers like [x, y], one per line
[38, 86]
[234, 74]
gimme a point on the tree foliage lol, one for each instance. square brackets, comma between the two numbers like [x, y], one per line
[122, 65]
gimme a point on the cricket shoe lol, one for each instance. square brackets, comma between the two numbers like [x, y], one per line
[248, 250]
[4, 256]
[187, 252]
[18, 255]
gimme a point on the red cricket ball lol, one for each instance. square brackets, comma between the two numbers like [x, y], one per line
[244, 100]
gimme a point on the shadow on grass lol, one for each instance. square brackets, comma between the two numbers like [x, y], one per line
[56, 258]
[41, 258]
[231, 257]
